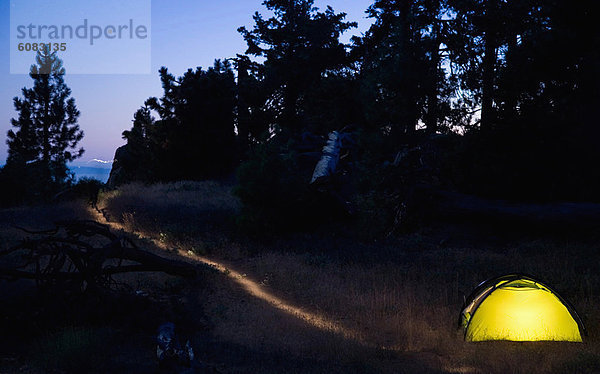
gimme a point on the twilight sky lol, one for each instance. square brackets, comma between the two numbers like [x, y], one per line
[184, 34]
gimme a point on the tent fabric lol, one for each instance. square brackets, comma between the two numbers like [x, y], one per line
[519, 308]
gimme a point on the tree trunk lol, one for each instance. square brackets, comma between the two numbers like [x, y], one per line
[407, 118]
[510, 104]
[488, 67]
[290, 100]
[242, 106]
[432, 96]
[46, 121]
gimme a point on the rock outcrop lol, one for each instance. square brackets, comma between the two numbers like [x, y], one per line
[118, 174]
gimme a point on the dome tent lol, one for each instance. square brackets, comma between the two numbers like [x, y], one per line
[517, 307]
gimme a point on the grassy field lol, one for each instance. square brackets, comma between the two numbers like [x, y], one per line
[324, 302]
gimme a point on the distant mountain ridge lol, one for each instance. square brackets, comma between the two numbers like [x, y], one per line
[100, 171]
[96, 172]
[94, 163]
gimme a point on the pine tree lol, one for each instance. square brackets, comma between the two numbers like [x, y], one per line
[301, 46]
[401, 60]
[193, 136]
[46, 132]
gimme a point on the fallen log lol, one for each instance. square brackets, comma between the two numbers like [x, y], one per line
[458, 206]
[66, 254]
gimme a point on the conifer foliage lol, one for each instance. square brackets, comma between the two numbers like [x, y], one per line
[45, 134]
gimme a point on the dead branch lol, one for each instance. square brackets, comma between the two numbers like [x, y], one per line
[86, 254]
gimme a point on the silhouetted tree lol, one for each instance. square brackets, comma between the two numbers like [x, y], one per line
[255, 117]
[141, 160]
[401, 65]
[194, 134]
[390, 67]
[301, 46]
[519, 79]
[543, 123]
[46, 133]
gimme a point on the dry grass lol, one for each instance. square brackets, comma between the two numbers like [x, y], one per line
[400, 302]
[176, 212]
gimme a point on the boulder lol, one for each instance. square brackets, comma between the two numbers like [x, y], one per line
[118, 173]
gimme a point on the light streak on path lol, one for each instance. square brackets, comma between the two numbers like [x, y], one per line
[250, 286]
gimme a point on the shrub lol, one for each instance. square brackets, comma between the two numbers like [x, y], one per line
[274, 188]
[25, 183]
[88, 188]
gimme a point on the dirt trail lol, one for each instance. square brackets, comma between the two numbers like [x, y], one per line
[252, 287]
[414, 362]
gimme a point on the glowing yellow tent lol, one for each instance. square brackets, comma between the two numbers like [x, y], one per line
[517, 307]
